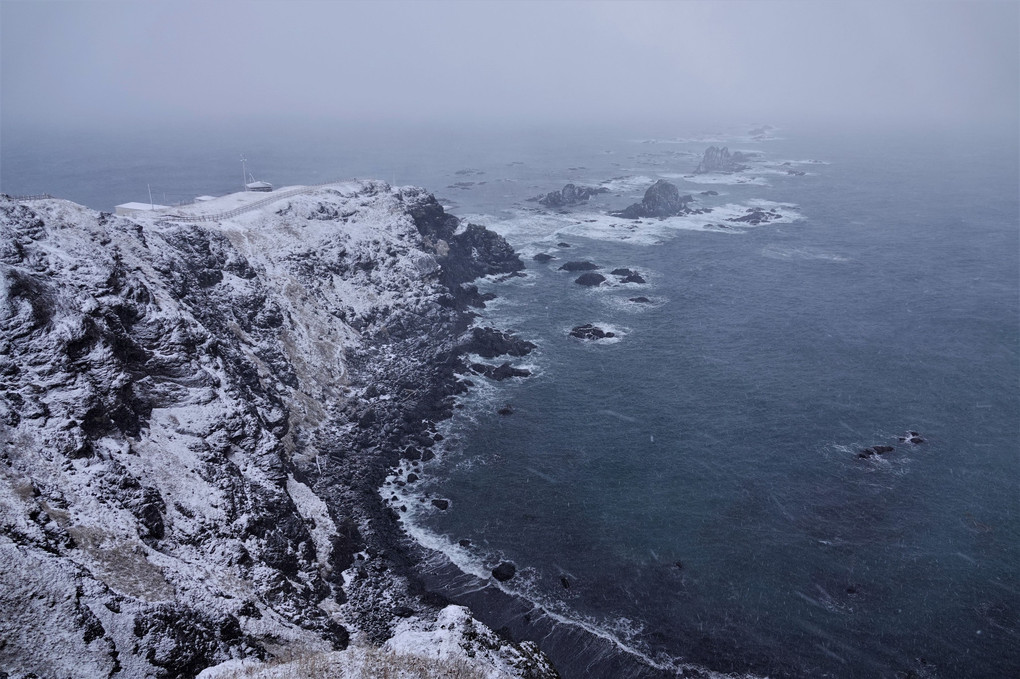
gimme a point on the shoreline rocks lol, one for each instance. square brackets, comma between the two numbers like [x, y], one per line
[569, 195]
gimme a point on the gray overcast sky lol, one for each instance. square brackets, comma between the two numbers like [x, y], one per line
[122, 62]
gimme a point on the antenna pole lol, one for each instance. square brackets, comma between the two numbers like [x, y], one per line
[244, 174]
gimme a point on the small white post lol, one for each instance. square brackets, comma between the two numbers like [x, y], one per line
[151, 206]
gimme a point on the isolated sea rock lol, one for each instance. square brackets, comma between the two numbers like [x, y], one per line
[590, 279]
[589, 331]
[717, 159]
[570, 195]
[579, 266]
[542, 257]
[640, 300]
[661, 200]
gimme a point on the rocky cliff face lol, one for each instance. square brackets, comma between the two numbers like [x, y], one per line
[195, 420]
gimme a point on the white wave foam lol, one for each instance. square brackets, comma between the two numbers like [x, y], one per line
[806, 253]
[536, 230]
[628, 184]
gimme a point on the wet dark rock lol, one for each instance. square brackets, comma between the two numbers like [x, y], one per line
[441, 504]
[542, 257]
[633, 278]
[661, 200]
[562, 244]
[622, 272]
[504, 571]
[718, 159]
[709, 193]
[579, 266]
[506, 410]
[590, 279]
[590, 332]
[640, 300]
[570, 195]
[464, 542]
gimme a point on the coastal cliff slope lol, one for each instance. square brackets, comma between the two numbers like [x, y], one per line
[195, 419]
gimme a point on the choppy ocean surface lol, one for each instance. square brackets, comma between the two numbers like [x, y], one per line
[694, 486]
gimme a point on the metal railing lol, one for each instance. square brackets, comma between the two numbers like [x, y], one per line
[272, 198]
[37, 196]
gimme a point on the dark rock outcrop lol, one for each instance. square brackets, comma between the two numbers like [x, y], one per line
[504, 571]
[661, 200]
[490, 343]
[542, 257]
[570, 195]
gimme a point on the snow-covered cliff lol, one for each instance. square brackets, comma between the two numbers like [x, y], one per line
[195, 417]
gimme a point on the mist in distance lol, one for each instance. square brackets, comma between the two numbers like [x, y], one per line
[106, 64]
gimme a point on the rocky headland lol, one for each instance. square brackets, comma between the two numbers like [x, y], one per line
[196, 417]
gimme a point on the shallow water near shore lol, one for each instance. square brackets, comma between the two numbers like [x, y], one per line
[694, 487]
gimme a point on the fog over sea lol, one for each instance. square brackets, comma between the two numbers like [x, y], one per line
[695, 484]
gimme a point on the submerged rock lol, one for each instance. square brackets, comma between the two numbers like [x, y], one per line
[640, 300]
[579, 266]
[756, 216]
[875, 450]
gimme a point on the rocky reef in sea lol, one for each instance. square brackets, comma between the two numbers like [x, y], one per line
[661, 200]
[570, 195]
[195, 420]
[718, 159]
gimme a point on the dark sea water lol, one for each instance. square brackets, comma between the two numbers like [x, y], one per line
[721, 428]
